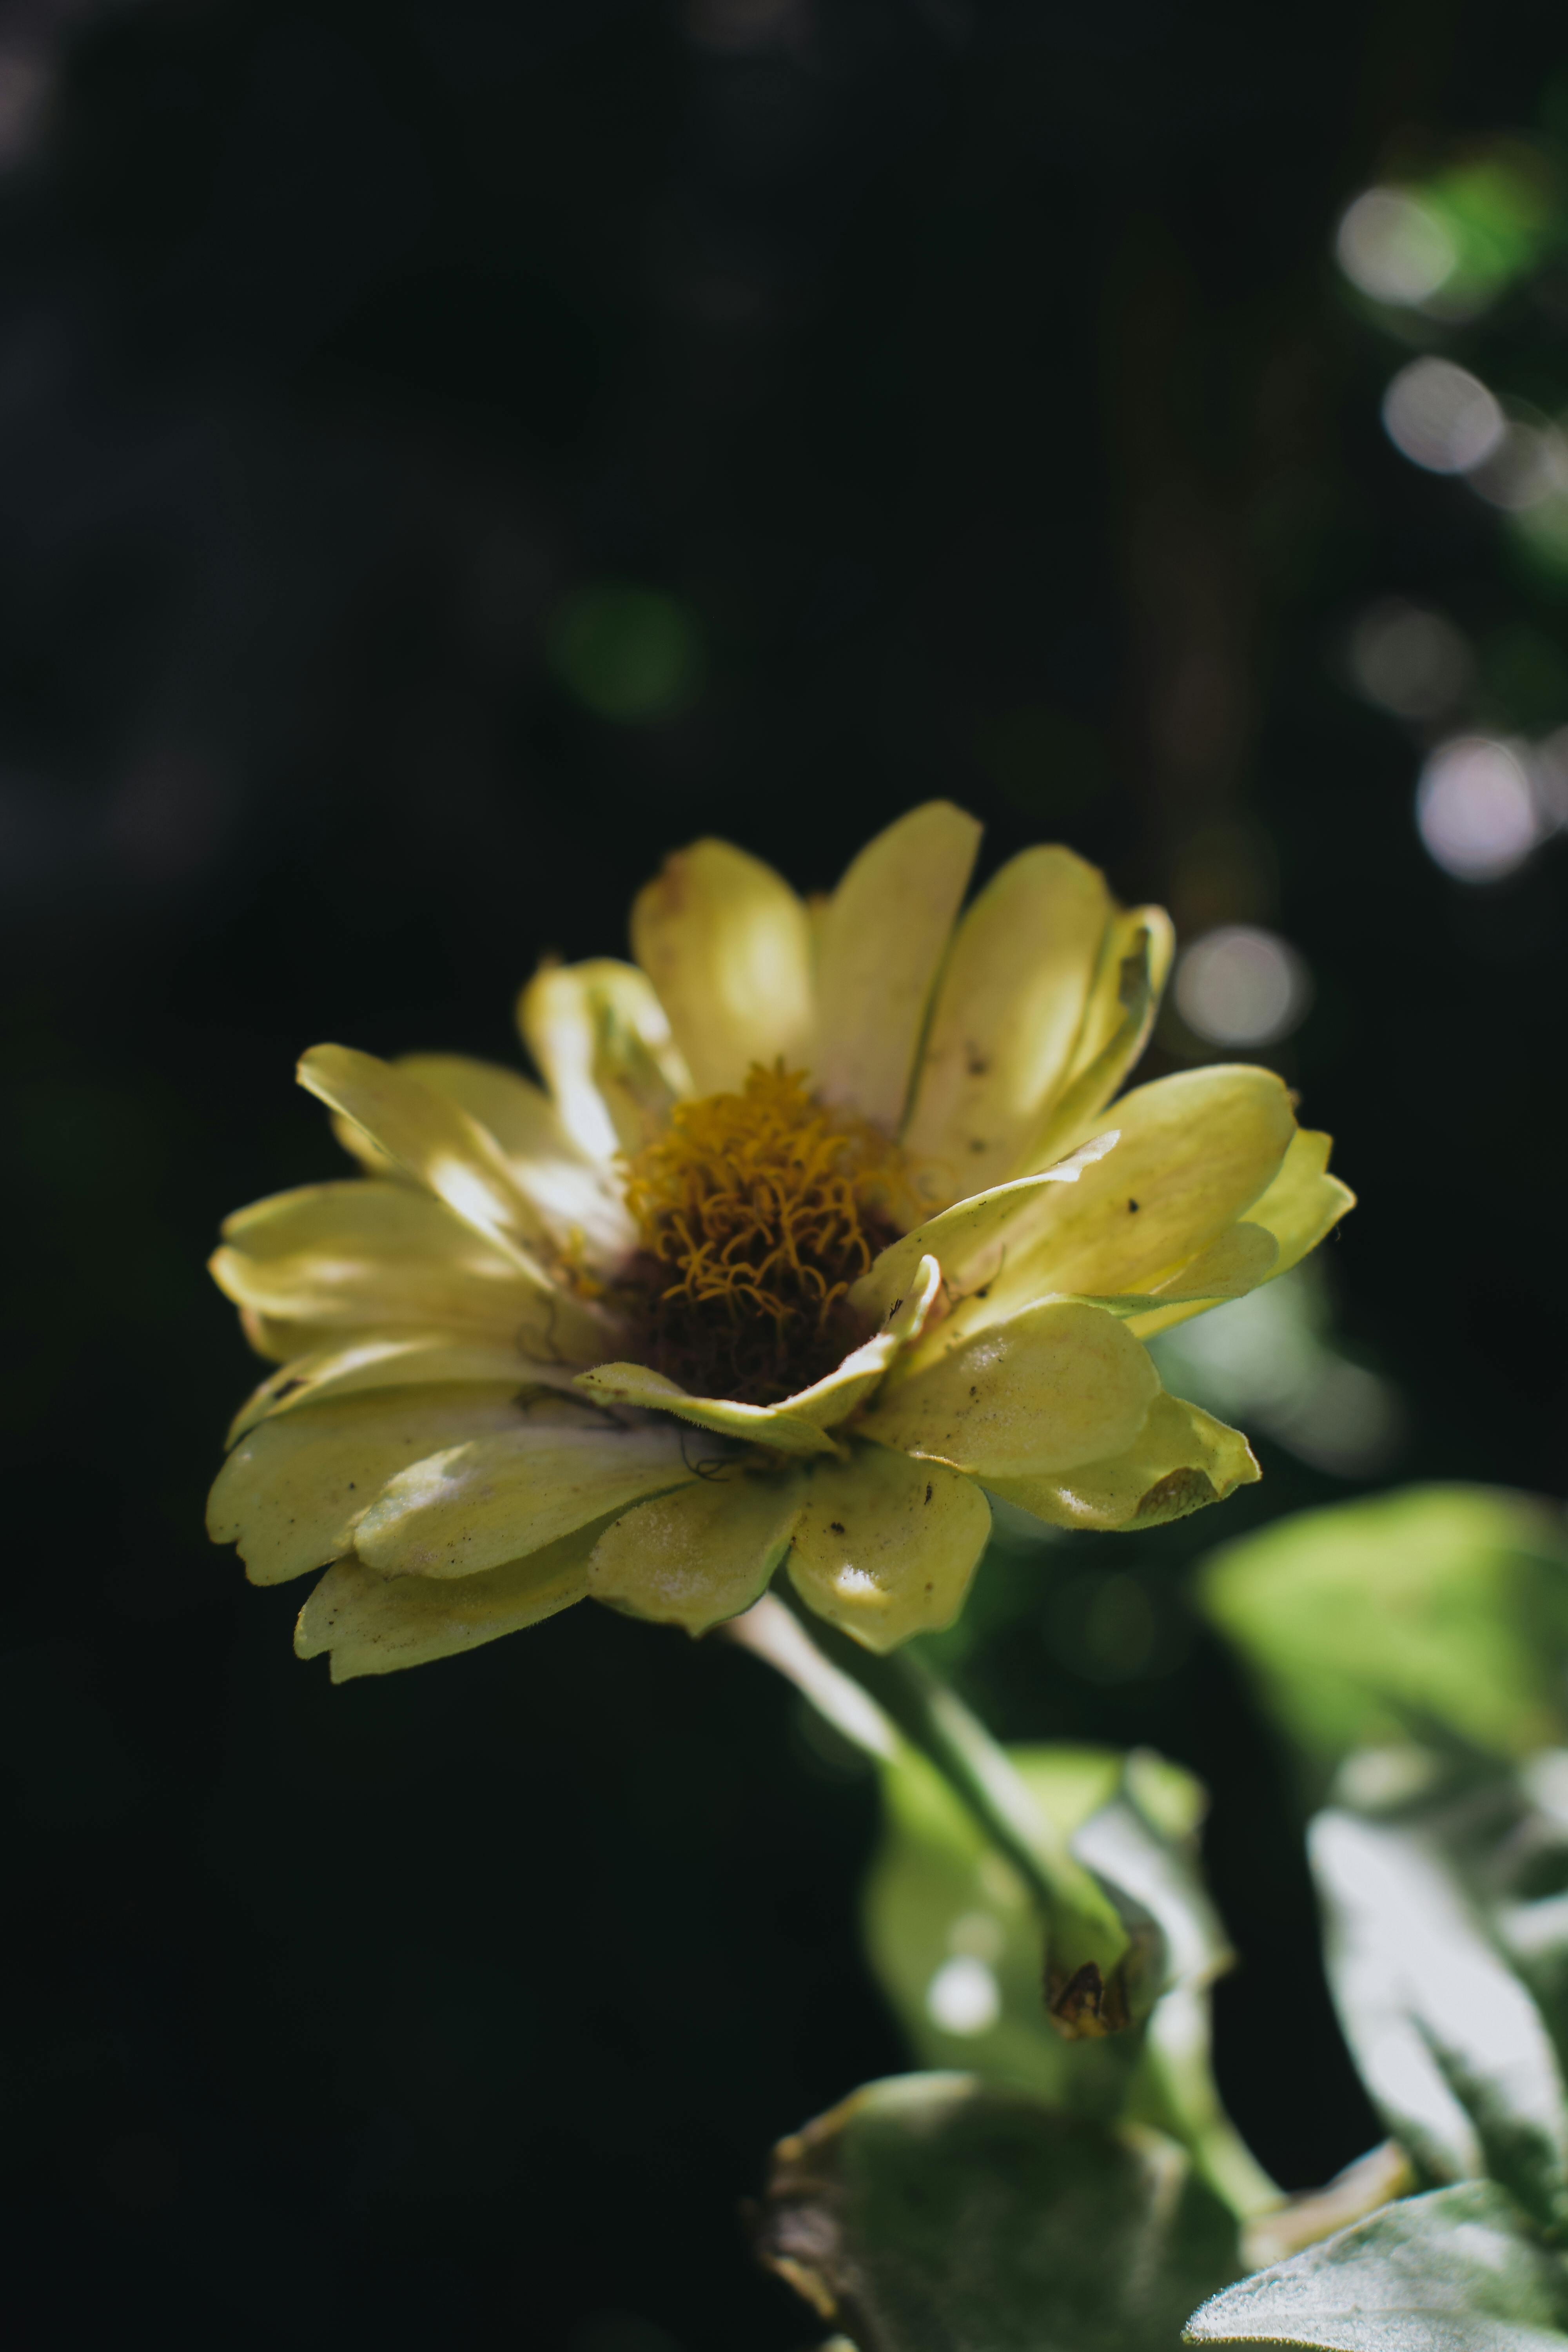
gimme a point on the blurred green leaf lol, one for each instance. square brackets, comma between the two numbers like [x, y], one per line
[1456, 2271]
[930, 2213]
[626, 653]
[1451, 2047]
[1435, 1608]
[954, 1939]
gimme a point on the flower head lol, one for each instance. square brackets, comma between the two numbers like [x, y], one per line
[818, 1233]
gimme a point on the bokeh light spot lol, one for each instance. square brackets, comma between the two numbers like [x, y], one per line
[1241, 986]
[1474, 811]
[1408, 660]
[964, 1997]
[1442, 417]
[625, 653]
[1394, 247]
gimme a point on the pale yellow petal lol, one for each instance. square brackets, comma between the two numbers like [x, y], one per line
[727, 944]
[376, 1624]
[478, 1505]
[798, 1423]
[1242, 1257]
[390, 1359]
[754, 1424]
[1182, 1459]
[1301, 1206]
[1010, 1011]
[699, 1555]
[571, 1193]
[433, 1138]
[292, 1492]
[969, 1241]
[1194, 1152]
[879, 948]
[352, 1255]
[603, 1040]
[1060, 1383]
[1125, 999]
[885, 1547]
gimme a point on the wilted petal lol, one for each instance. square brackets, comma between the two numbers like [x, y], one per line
[727, 944]
[1010, 1011]
[603, 1040]
[1060, 1383]
[1123, 1001]
[478, 1505]
[699, 1555]
[755, 1424]
[885, 1547]
[375, 1624]
[292, 1492]
[1181, 1459]
[880, 942]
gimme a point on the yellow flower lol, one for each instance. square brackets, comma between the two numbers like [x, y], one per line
[818, 1232]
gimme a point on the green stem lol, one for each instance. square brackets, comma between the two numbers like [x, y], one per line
[1088, 1943]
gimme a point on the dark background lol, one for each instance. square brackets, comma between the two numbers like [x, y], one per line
[972, 383]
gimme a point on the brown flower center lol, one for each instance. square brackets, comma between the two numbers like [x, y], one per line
[758, 1211]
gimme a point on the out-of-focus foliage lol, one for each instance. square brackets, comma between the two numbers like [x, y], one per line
[933, 2214]
[1433, 1609]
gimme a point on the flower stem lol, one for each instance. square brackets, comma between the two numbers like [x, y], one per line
[1095, 1965]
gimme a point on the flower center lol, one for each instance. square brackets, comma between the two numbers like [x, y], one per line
[758, 1211]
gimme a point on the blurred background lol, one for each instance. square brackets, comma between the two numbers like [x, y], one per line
[451, 453]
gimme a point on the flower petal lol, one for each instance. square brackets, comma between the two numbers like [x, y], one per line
[699, 1555]
[1125, 997]
[1182, 1459]
[1063, 1383]
[1242, 1257]
[1301, 1206]
[478, 1505]
[390, 1359]
[727, 944]
[969, 1239]
[603, 1040]
[365, 1252]
[885, 1547]
[569, 1191]
[879, 947]
[1009, 1012]
[756, 1424]
[375, 1624]
[1194, 1152]
[292, 1492]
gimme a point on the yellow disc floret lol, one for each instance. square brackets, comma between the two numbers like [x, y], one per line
[760, 1209]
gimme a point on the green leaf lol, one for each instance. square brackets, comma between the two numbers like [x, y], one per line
[955, 1941]
[930, 2213]
[1450, 2045]
[1437, 1607]
[1455, 2271]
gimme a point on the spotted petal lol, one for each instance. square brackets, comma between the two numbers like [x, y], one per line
[1060, 1383]
[376, 1624]
[1182, 1459]
[886, 1547]
[727, 945]
[701, 1554]
[390, 1359]
[293, 1491]
[1303, 1205]
[880, 944]
[1008, 1015]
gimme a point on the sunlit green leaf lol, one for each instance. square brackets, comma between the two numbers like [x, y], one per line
[1455, 2271]
[1439, 1607]
[931, 2213]
[1451, 2047]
